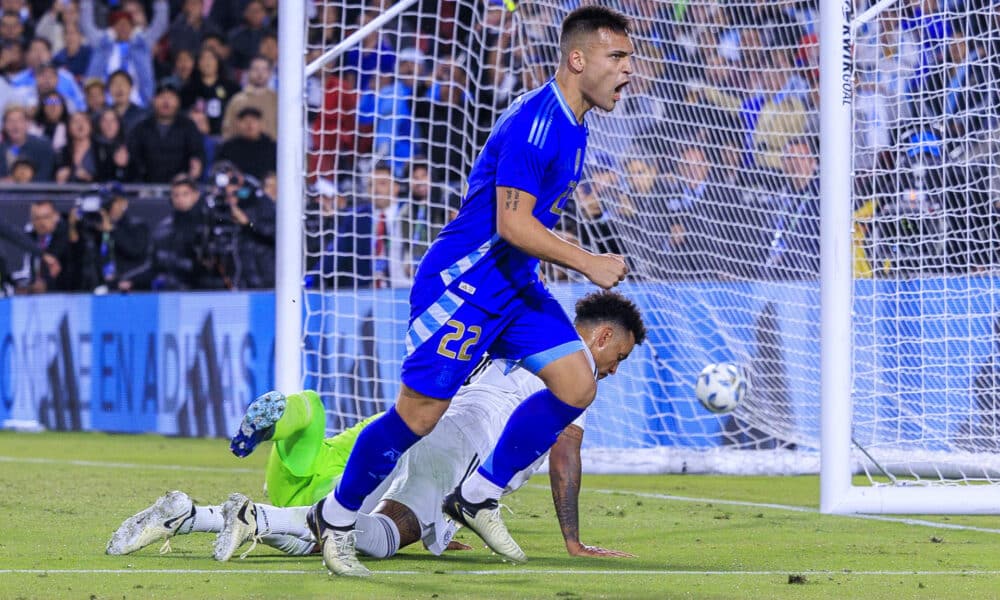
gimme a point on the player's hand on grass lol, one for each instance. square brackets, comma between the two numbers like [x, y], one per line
[579, 549]
[606, 270]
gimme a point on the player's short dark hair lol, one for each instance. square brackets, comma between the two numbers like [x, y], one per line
[590, 19]
[609, 306]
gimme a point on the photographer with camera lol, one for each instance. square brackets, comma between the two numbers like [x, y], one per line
[110, 243]
[241, 239]
[177, 260]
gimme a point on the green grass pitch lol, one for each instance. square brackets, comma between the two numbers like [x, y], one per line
[63, 495]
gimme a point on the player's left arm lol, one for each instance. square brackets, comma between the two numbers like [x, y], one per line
[564, 475]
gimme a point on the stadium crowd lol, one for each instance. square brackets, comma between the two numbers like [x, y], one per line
[707, 169]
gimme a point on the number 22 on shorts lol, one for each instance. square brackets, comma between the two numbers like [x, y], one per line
[453, 337]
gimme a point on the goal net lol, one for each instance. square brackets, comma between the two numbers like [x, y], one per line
[706, 177]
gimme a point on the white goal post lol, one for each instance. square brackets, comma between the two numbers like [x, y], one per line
[863, 313]
[840, 23]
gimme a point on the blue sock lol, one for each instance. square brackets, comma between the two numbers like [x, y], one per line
[531, 430]
[379, 446]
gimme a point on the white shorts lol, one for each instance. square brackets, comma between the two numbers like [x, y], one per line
[427, 473]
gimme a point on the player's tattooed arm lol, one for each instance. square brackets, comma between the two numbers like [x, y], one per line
[517, 225]
[512, 199]
[564, 476]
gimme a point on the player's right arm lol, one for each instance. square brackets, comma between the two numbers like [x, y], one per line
[564, 475]
[518, 227]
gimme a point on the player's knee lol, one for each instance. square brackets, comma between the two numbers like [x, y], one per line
[420, 413]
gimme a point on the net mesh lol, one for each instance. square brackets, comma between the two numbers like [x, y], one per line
[706, 178]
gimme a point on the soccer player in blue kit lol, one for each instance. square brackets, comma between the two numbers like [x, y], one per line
[477, 290]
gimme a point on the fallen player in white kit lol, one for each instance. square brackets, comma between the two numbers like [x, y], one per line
[407, 505]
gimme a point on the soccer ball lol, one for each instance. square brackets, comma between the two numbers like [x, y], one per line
[721, 387]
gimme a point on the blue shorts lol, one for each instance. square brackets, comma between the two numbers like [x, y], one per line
[448, 336]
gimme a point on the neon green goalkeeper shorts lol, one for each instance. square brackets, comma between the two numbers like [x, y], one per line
[304, 464]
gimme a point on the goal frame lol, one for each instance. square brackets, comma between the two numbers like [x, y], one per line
[838, 495]
[838, 461]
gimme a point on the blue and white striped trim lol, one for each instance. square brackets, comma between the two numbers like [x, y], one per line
[468, 261]
[562, 102]
[537, 362]
[540, 126]
[432, 319]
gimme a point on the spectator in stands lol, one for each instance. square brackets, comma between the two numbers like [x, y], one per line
[121, 91]
[11, 28]
[11, 63]
[217, 44]
[320, 217]
[123, 48]
[593, 201]
[245, 39]
[94, 92]
[688, 185]
[424, 214]
[61, 16]
[782, 116]
[167, 142]
[336, 141]
[209, 90]
[342, 227]
[737, 210]
[254, 94]
[75, 56]
[245, 217]
[226, 13]
[111, 156]
[54, 271]
[268, 48]
[52, 119]
[250, 149]
[325, 28]
[179, 259]
[17, 143]
[383, 196]
[794, 244]
[190, 27]
[389, 111]
[41, 76]
[78, 159]
[109, 243]
[270, 185]
[449, 135]
[183, 68]
[375, 55]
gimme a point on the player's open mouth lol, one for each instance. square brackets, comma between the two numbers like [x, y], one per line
[618, 90]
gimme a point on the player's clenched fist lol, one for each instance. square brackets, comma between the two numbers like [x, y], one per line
[606, 270]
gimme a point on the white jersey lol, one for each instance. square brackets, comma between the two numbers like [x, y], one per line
[462, 439]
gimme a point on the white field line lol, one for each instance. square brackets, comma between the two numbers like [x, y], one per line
[785, 507]
[115, 465]
[650, 495]
[501, 572]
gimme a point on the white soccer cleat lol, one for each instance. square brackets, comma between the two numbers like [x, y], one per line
[484, 519]
[158, 522]
[239, 525]
[339, 553]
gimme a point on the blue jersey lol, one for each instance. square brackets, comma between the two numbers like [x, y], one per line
[536, 146]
